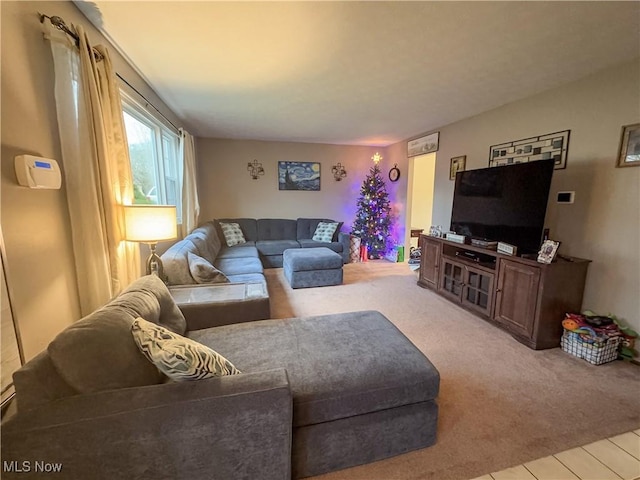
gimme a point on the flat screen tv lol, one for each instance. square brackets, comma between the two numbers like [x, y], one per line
[505, 204]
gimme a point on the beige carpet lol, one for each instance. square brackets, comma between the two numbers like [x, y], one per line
[501, 403]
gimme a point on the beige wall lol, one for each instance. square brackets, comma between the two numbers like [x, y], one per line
[227, 190]
[603, 223]
[35, 223]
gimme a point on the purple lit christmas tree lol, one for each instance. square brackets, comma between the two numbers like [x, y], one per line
[373, 219]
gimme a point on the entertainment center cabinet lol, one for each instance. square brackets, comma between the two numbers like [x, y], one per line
[526, 298]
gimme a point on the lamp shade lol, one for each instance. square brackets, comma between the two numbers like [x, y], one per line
[150, 223]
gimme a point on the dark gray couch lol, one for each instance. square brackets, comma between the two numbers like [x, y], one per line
[267, 239]
[272, 236]
[316, 394]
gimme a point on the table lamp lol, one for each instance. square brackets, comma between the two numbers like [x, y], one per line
[151, 224]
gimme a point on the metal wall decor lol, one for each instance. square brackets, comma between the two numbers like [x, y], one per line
[338, 172]
[552, 145]
[299, 176]
[255, 169]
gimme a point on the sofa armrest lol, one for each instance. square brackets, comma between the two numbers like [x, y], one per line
[206, 306]
[220, 428]
[345, 239]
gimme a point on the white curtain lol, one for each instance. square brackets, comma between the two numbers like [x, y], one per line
[190, 205]
[96, 168]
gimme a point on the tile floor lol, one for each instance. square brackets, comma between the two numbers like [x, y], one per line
[614, 458]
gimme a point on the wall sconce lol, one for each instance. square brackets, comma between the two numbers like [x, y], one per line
[338, 172]
[255, 169]
[376, 158]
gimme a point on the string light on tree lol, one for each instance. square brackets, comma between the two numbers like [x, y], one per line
[373, 220]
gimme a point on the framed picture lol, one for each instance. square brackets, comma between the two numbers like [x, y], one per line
[548, 251]
[299, 176]
[457, 165]
[543, 147]
[629, 153]
[422, 145]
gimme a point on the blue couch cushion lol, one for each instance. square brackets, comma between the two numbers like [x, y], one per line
[239, 251]
[335, 246]
[339, 366]
[239, 266]
[276, 229]
[275, 247]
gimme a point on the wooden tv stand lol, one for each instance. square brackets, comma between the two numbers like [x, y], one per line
[526, 298]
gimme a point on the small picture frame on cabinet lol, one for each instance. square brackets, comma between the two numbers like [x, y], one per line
[548, 251]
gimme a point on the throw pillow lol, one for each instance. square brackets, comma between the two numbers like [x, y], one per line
[179, 358]
[324, 232]
[232, 234]
[203, 272]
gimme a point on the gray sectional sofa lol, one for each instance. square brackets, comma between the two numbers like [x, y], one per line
[266, 241]
[315, 394]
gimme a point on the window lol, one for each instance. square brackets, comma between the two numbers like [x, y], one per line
[153, 150]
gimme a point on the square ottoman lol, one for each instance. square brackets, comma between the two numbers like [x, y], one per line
[312, 267]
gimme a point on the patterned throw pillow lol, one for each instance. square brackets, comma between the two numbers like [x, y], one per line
[232, 234]
[324, 232]
[179, 358]
[203, 272]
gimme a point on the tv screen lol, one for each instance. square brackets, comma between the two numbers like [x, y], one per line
[504, 204]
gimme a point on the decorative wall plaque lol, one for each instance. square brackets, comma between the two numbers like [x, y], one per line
[552, 145]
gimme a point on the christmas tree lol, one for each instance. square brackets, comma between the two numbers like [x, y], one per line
[373, 215]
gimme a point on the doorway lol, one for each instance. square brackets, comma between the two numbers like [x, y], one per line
[421, 182]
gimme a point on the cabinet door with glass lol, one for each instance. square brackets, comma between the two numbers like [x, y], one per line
[452, 279]
[477, 290]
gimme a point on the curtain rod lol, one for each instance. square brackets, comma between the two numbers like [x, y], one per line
[147, 101]
[60, 24]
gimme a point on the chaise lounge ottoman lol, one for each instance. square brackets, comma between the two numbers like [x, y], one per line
[312, 267]
[361, 390]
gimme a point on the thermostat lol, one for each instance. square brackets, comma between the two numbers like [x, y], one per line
[565, 197]
[37, 172]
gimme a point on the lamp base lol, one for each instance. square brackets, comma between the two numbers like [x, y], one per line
[154, 264]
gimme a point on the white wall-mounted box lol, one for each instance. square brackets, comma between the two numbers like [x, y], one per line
[37, 172]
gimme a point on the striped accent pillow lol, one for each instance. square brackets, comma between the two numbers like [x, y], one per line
[232, 234]
[324, 232]
[179, 358]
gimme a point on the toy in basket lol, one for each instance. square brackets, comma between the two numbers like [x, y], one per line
[597, 341]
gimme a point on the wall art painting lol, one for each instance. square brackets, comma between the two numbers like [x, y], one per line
[299, 176]
[422, 145]
[629, 152]
[457, 165]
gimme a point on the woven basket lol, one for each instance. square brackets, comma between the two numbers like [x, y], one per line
[594, 353]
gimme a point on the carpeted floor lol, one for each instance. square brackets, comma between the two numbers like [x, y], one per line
[501, 403]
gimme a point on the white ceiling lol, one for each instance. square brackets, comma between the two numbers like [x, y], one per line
[362, 73]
